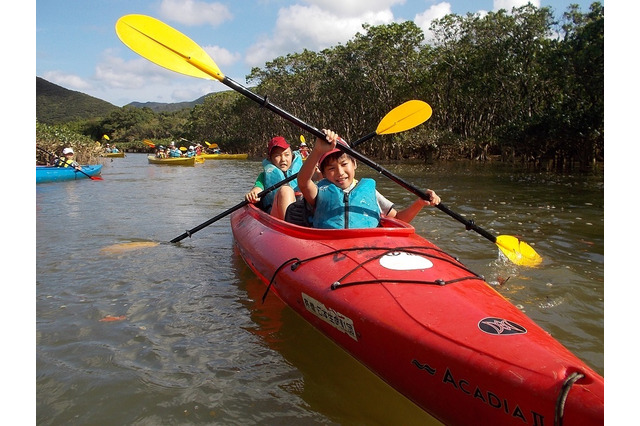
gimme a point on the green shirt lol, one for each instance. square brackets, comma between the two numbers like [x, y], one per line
[260, 181]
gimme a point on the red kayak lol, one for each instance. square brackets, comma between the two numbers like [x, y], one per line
[419, 319]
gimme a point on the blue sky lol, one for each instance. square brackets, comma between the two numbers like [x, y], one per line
[77, 47]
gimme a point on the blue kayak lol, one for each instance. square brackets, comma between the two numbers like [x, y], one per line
[57, 174]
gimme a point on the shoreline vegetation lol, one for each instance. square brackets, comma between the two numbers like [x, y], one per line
[517, 86]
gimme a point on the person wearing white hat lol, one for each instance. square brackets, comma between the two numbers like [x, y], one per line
[190, 152]
[67, 160]
[304, 150]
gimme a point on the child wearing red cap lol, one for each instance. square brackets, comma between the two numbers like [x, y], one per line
[281, 162]
[340, 200]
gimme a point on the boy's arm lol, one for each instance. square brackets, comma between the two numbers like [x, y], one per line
[407, 214]
[305, 177]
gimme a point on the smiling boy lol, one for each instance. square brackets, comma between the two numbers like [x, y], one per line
[342, 201]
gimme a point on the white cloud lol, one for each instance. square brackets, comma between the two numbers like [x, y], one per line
[423, 20]
[299, 27]
[510, 4]
[121, 81]
[222, 56]
[69, 81]
[354, 9]
[191, 12]
[114, 72]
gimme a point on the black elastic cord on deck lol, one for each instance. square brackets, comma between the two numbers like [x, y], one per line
[417, 250]
[410, 250]
[273, 278]
[336, 285]
[562, 398]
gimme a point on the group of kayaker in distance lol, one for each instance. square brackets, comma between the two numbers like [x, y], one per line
[326, 193]
[174, 152]
[108, 149]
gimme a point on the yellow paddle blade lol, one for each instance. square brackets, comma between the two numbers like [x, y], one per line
[182, 148]
[518, 251]
[149, 143]
[125, 247]
[404, 117]
[106, 137]
[163, 45]
[208, 144]
[302, 139]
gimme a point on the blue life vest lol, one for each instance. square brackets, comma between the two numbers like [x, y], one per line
[357, 209]
[273, 175]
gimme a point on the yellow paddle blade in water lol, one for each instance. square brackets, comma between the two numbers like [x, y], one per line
[404, 117]
[166, 46]
[125, 247]
[518, 251]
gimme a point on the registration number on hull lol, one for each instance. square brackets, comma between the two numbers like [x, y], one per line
[330, 316]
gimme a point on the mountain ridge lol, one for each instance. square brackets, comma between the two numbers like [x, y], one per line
[56, 104]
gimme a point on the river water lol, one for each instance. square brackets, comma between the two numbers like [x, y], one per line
[176, 333]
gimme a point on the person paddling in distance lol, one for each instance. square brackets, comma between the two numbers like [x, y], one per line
[281, 162]
[67, 160]
[342, 201]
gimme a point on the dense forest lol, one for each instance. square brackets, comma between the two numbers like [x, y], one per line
[517, 85]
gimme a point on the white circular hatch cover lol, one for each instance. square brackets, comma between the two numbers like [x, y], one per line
[403, 261]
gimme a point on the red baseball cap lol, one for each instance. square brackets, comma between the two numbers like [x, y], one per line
[277, 141]
[340, 141]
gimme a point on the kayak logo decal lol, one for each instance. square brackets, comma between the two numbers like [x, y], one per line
[500, 327]
[330, 316]
[403, 261]
[425, 367]
[477, 393]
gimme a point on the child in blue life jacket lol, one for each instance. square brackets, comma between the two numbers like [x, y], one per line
[281, 162]
[340, 200]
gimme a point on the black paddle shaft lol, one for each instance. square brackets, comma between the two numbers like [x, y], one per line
[260, 195]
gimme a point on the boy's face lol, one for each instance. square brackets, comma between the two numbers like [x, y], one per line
[281, 158]
[340, 171]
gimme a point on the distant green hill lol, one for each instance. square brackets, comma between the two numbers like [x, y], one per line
[55, 104]
[164, 107]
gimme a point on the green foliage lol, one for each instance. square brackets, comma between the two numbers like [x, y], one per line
[516, 84]
[54, 138]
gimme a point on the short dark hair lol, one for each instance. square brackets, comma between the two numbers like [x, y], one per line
[333, 156]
